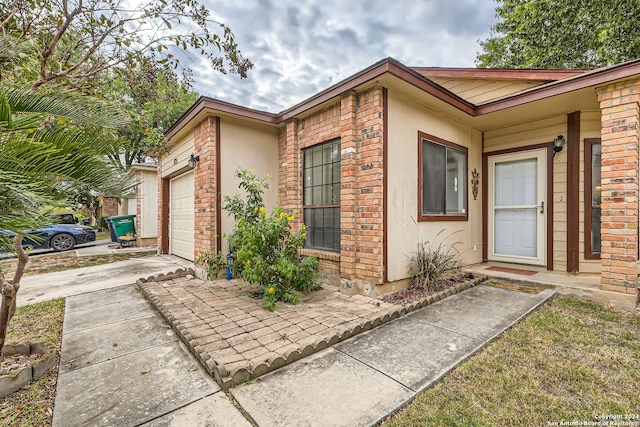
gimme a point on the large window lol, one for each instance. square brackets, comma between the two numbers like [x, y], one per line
[442, 183]
[322, 196]
[593, 198]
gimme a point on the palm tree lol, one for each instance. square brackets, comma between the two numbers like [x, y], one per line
[46, 148]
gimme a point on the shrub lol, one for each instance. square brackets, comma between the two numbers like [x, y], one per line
[266, 246]
[430, 263]
[213, 263]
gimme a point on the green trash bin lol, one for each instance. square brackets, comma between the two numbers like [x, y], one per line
[121, 226]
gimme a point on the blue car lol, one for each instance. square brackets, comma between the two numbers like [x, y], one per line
[59, 237]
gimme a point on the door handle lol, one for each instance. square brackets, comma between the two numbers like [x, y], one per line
[541, 207]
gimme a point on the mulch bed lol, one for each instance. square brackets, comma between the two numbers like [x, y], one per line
[415, 294]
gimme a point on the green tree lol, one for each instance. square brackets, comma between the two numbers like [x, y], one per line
[71, 42]
[42, 155]
[562, 34]
[153, 97]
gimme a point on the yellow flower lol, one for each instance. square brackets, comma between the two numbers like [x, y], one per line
[271, 290]
[252, 170]
[248, 262]
[290, 217]
[262, 209]
[281, 215]
[255, 209]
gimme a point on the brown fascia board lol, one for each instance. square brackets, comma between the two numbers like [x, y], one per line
[388, 65]
[410, 75]
[499, 73]
[205, 103]
[596, 77]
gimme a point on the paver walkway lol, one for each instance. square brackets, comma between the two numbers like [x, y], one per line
[236, 339]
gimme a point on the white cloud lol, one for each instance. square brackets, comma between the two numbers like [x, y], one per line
[300, 47]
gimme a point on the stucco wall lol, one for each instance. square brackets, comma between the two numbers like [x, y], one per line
[406, 119]
[248, 146]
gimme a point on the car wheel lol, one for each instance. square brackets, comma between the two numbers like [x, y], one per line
[62, 242]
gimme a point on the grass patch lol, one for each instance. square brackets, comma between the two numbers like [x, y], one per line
[33, 405]
[66, 261]
[571, 360]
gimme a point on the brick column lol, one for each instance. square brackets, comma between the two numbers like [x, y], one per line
[206, 197]
[369, 186]
[348, 186]
[289, 182]
[620, 179]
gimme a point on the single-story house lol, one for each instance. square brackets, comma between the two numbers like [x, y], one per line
[535, 167]
[143, 202]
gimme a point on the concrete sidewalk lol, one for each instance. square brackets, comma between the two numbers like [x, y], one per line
[122, 365]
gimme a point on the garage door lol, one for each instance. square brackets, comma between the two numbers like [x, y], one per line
[181, 213]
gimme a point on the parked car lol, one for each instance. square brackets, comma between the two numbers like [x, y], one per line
[65, 218]
[59, 237]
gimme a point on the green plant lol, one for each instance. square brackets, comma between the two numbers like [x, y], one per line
[266, 246]
[430, 262]
[214, 262]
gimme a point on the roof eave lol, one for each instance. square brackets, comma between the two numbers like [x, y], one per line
[592, 78]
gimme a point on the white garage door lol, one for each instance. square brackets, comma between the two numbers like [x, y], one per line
[181, 212]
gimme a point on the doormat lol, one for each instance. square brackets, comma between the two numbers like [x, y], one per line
[512, 270]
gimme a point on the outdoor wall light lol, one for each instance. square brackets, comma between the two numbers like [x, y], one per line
[193, 161]
[557, 144]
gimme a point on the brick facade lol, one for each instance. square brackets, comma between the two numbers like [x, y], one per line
[163, 213]
[206, 193]
[108, 206]
[619, 104]
[357, 119]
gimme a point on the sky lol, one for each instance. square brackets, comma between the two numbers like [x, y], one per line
[300, 47]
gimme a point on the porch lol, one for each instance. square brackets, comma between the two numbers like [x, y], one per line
[580, 285]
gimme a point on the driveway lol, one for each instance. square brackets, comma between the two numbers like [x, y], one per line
[43, 287]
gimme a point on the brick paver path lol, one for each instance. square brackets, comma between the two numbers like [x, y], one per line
[236, 339]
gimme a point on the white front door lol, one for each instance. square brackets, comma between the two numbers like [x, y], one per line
[517, 207]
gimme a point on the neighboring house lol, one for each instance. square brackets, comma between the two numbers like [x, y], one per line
[143, 202]
[107, 206]
[396, 155]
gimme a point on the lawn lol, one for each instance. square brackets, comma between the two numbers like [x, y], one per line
[33, 405]
[571, 361]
